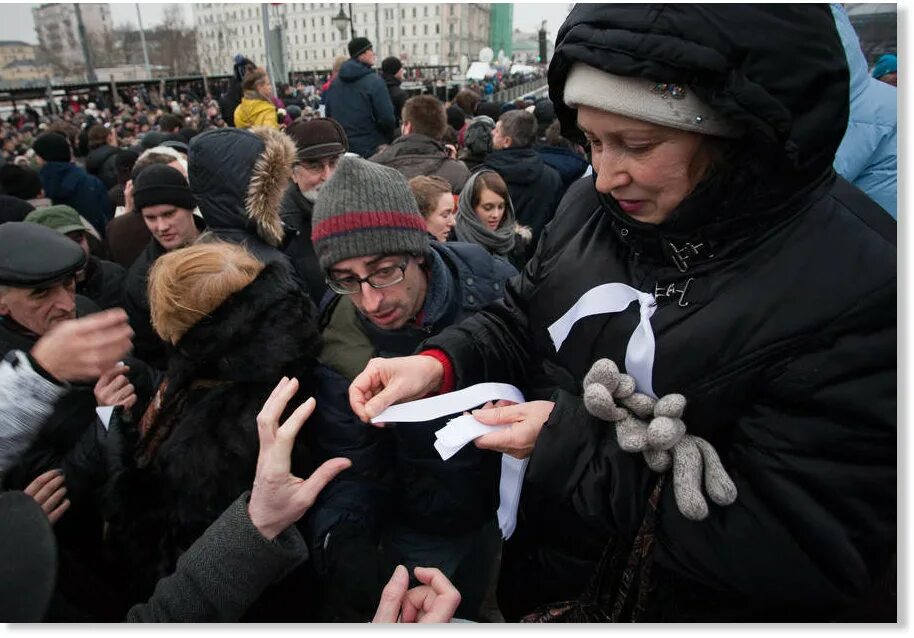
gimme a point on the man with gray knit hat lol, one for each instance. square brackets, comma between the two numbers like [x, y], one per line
[394, 288]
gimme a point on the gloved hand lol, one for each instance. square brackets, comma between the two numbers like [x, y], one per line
[656, 429]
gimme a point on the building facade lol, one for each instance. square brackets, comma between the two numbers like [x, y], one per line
[58, 30]
[419, 34]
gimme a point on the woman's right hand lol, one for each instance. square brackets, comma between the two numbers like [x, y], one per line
[385, 382]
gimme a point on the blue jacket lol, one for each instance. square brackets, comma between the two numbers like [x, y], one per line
[396, 470]
[358, 99]
[570, 165]
[867, 155]
[66, 183]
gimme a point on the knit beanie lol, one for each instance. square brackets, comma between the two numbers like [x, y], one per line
[161, 184]
[544, 111]
[323, 137]
[489, 109]
[52, 147]
[672, 105]
[19, 181]
[391, 65]
[366, 209]
[13, 209]
[455, 117]
[887, 63]
[358, 46]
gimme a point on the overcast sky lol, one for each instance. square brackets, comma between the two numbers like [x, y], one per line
[17, 23]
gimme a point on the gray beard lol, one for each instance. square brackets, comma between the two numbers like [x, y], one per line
[310, 195]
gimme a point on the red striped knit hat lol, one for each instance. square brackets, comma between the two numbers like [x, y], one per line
[366, 209]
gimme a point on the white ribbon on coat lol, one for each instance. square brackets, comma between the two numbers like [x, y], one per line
[609, 298]
[639, 363]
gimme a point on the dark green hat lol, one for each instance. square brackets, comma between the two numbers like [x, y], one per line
[34, 256]
[63, 219]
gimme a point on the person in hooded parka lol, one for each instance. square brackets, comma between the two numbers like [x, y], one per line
[706, 336]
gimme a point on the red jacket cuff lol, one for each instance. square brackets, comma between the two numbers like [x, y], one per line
[449, 382]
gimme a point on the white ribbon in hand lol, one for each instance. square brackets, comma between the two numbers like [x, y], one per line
[464, 429]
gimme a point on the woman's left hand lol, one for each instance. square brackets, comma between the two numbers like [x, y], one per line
[524, 421]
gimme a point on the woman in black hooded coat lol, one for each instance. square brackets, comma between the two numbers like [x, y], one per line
[238, 327]
[768, 291]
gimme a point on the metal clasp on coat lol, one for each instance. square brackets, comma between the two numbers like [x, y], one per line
[682, 254]
[671, 291]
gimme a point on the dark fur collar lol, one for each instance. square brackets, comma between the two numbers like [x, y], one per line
[253, 336]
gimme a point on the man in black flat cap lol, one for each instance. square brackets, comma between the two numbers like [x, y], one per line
[359, 101]
[319, 144]
[37, 293]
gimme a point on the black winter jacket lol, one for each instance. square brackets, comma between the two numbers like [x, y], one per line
[398, 96]
[218, 378]
[104, 283]
[101, 163]
[359, 101]
[296, 214]
[396, 471]
[147, 345]
[534, 186]
[776, 290]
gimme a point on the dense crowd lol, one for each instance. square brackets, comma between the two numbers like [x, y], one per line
[342, 353]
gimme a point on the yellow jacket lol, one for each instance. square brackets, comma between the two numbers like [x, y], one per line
[255, 112]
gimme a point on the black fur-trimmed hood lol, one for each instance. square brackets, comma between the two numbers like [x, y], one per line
[238, 178]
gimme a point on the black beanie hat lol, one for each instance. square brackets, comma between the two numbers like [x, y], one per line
[13, 209]
[491, 109]
[358, 46]
[52, 147]
[391, 65]
[19, 181]
[455, 117]
[161, 184]
[544, 111]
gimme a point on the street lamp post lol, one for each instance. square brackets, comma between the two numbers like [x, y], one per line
[341, 21]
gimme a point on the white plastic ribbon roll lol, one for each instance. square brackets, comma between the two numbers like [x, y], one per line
[464, 429]
[609, 298]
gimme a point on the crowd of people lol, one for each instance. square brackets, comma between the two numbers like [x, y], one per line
[683, 260]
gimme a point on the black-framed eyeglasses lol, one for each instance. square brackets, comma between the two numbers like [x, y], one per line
[318, 165]
[382, 278]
